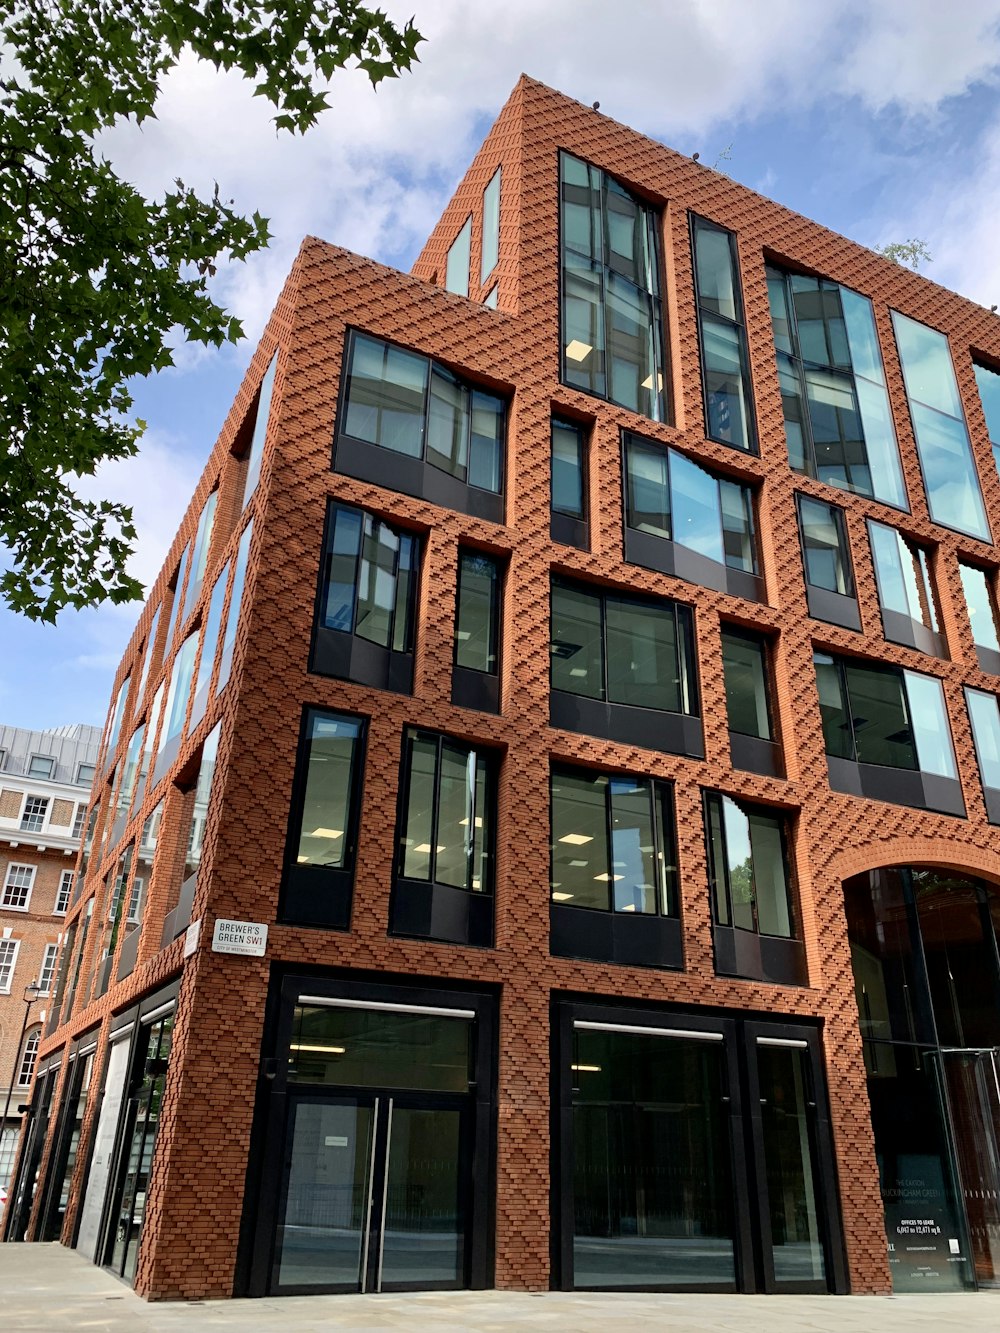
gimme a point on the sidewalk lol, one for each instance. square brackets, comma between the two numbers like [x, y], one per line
[48, 1289]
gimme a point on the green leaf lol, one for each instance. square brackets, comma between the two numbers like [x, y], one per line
[97, 278]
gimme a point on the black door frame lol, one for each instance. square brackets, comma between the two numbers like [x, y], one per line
[264, 1181]
[21, 1190]
[59, 1157]
[750, 1216]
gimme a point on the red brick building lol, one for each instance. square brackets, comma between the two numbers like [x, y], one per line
[561, 757]
[45, 779]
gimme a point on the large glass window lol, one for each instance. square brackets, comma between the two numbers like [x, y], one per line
[569, 483]
[878, 717]
[476, 678]
[235, 607]
[147, 659]
[199, 557]
[449, 799]
[368, 592]
[114, 727]
[491, 228]
[255, 451]
[988, 382]
[623, 650]
[950, 477]
[748, 867]
[405, 403]
[456, 278]
[838, 423]
[322, 829]
[176, 591]
[331, 765]
[824, 546]
[905, 589]
[747, 678]
[984, 714]
[670, 497]
[179, 690]
[209, 648]
[477, 613]
[980, 602]
[724, 366]
[612, 843]
[652, 1177]
[612, 343]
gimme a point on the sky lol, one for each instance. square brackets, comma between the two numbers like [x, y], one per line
[877, 118]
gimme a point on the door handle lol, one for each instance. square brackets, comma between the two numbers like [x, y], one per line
[385, 1195]
[371, 1191]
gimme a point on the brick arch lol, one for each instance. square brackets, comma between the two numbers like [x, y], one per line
[964, 858]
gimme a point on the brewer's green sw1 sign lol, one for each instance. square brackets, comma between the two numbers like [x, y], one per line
[245, 937]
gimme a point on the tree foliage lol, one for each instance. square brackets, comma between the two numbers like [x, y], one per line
[911, 253]
[93, 275]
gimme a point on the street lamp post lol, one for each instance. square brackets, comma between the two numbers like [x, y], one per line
[31, 994]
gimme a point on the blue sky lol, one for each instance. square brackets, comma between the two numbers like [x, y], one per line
[878, 118]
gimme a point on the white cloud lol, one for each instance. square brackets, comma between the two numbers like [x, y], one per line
[374, 173]
[158, 484]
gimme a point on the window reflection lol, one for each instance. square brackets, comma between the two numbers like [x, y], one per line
[611, 318]
[612, 843]
[447, 833]
[725, 370]
[950, 477]
[838, 424]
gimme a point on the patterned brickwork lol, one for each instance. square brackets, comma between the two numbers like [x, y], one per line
[196, 1195]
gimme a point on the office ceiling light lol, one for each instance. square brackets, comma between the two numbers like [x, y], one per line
[326, 833]
[576, 839]
[561, 897]
[577, 350]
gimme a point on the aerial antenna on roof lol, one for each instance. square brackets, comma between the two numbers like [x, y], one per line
[596, 106]
[695, 157]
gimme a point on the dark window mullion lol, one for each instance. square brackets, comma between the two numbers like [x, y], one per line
[605, 679]
[609, 817]
[845, 694]
[435, 808]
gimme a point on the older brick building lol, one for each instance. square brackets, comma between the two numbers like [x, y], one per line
[581, 656]
[45, 779]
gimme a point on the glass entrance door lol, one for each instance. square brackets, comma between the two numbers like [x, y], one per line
[374, 1194]
[784, 1114]
[973, 1082]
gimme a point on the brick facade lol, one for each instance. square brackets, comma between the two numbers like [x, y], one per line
[193, 1215]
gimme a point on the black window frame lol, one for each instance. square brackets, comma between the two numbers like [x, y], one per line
[848, 375]
[606, 935]
[426, 908]
[471, 688]
[755, 754]
[345, 654]
[741, 952]
[991, 795]
[824, 603]
[410, 475]
[656, 299]
[987, 658]
[631, 724]
[565, 527]
[664, 555]
[901, 785]
[696, 221]
[322, 895]
[898, 627]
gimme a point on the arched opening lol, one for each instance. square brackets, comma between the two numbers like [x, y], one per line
[925, 951]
